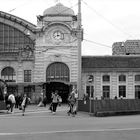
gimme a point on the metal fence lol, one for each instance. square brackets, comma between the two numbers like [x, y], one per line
[109, 105]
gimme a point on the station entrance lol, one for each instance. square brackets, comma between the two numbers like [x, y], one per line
[57, 77]
[63, 90]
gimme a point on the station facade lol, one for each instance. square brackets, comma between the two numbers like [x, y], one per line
[41, 58]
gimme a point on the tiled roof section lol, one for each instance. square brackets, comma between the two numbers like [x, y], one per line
[111, 62]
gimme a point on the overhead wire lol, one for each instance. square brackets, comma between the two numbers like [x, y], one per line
[87, 40]
[18, 6]
[100, 44]
[107, 20]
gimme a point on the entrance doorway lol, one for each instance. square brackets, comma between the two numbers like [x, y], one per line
[57, 74]
[63, 90]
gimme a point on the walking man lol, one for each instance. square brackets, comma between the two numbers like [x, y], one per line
[55, 100]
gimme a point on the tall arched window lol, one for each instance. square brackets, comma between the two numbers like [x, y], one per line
[12, 39]
[8, 74]
[57, 71]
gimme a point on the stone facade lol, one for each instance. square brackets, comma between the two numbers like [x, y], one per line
[54, 40]
[112, 66]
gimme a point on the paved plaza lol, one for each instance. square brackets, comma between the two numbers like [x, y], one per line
[39, 123]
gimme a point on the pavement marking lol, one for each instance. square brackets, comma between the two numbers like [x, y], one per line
[70, 131]
[29, 112]
[50, 115]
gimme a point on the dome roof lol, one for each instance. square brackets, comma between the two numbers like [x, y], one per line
[58, 9]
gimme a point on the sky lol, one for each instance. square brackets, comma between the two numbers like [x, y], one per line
[104, 21]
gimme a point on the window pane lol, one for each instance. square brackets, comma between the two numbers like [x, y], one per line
[106, 78]
[11, 37]
[137, 91]
[106, 91]
[57, 71]
[27, 75]
[137, 77]
[90, 90]
[122, 91]
[122, 78]
[8, 74]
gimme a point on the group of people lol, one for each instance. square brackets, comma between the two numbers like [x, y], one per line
[72, 102]
[17, 102]
[22, 101]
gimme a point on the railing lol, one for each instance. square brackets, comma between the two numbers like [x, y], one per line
[110, 105]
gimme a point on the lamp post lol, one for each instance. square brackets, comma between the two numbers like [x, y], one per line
[79, 48]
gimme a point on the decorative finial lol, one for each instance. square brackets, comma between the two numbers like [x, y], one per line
[57, 1]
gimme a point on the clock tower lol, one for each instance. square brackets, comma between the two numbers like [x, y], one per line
[56, 52]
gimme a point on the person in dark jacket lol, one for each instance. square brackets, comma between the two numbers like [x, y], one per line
[45, 101]
[7, 102]
[24, 103]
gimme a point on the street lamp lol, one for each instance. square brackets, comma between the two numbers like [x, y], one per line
[79, 47]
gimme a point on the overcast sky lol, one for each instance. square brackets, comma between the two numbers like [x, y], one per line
[104, 21]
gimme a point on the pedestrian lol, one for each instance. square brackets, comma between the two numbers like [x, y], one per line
[72, 103]
[85, 98]
[24, 103]
[11, 99]
[40, 100]
[17, 98]
[20, 101]
[8, 103]
[59, 100]
[45, 101]
[50, 106]
[55, 100]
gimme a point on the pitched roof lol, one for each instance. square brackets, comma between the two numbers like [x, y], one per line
[18, 20]
[110, 62]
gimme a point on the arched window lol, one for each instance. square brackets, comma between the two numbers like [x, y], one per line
[106, 78]
[8, 74]
[122, 78]
[57, 71]
[11, 39]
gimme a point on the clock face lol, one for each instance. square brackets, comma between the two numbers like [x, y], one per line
[58, 35]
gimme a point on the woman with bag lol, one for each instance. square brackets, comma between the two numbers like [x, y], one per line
[72, 103]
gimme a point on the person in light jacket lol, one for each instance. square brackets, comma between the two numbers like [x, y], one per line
[11, 99]
[55, 100]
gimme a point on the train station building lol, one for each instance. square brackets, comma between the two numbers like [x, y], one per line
[41, 58]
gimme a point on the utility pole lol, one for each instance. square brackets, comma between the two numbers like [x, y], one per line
[79, 48]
